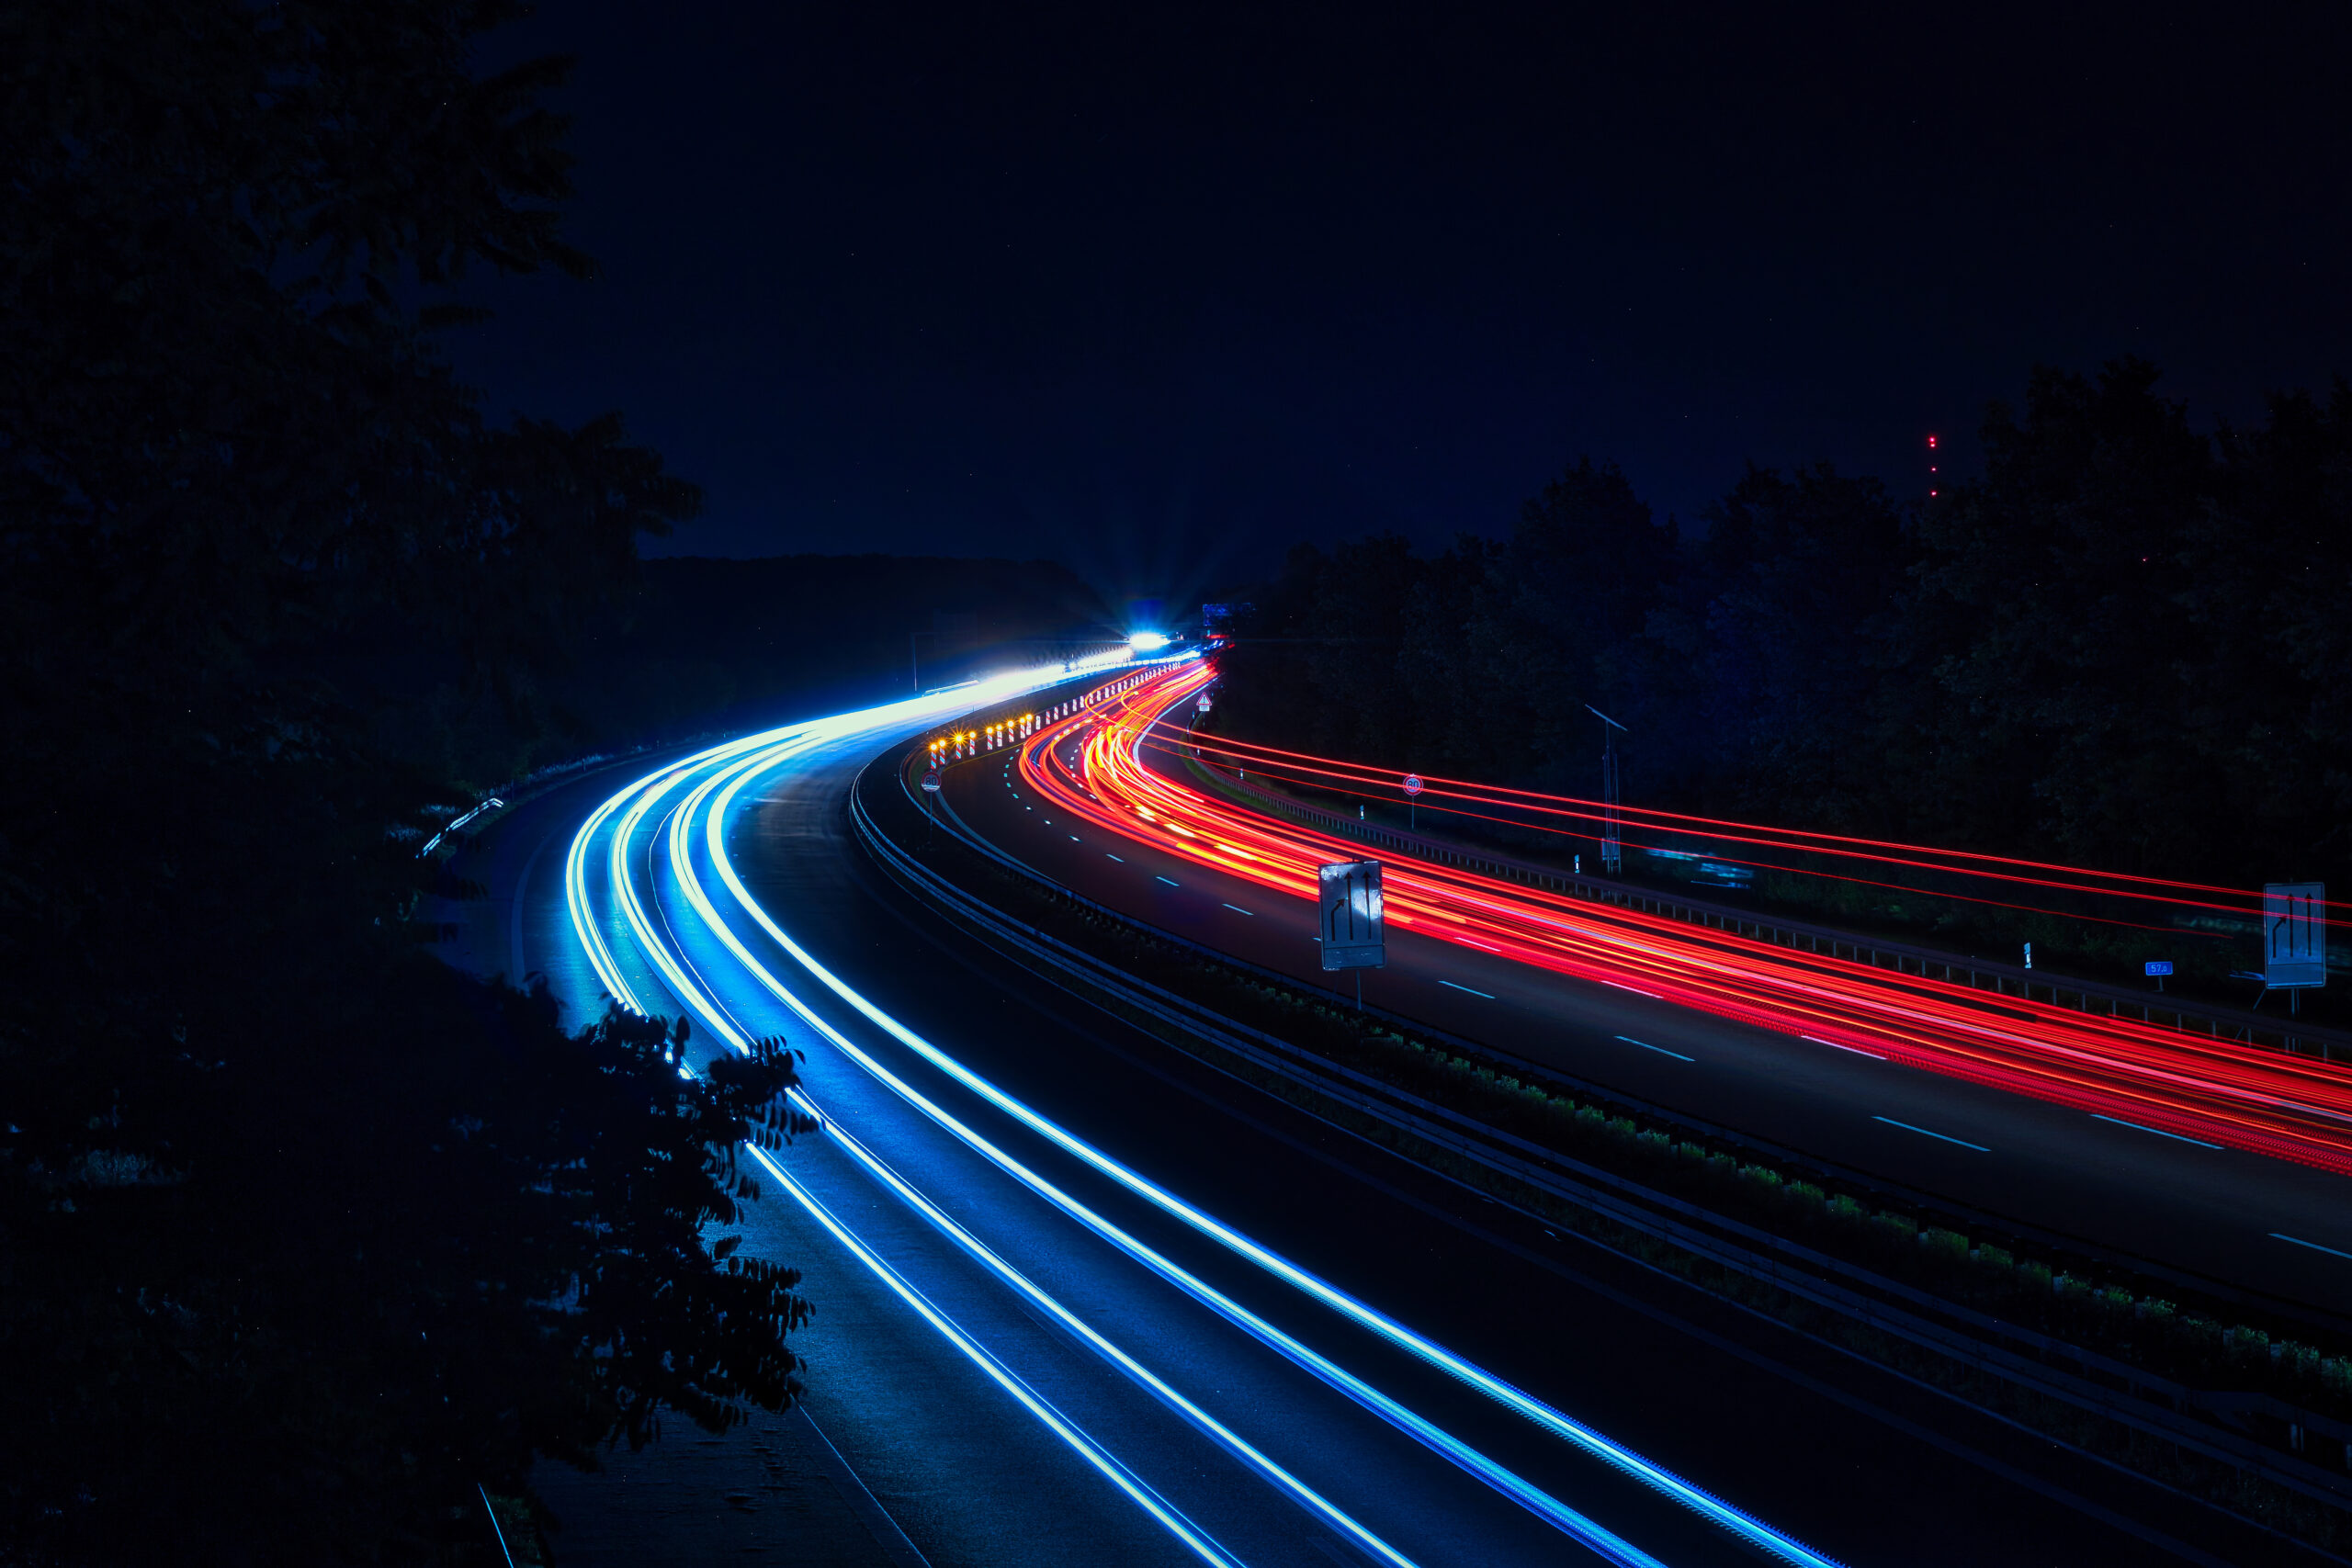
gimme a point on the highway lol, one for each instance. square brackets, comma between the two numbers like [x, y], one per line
[981, 1227]
[1031, 1355]
[2128, 1182]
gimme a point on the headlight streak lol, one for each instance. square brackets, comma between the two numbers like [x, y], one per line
[1095, 1453]
[2248, 1098]
[1225, 1436]
[640, 797]
[1586, 1532]
[1718, 1512]
[729, 769]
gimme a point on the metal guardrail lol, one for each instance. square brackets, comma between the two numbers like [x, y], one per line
[2003, 980]
[2221, 1424]
[1883, 1190]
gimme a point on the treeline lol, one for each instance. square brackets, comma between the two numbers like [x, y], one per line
[2125, 645]
[685, 645]
[305, 1239]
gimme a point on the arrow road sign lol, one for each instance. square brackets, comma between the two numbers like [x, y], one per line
[2294, 934]
[1353, 936]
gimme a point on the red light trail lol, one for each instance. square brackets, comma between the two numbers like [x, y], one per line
[2224, 1092]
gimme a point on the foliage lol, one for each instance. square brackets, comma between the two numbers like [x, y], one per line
[303, 1238]
[2123, 645]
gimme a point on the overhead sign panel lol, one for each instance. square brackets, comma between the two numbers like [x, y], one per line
[2294, 934]
[1353, 936]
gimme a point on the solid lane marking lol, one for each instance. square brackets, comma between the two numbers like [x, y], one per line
[1466, 988]
[1855, 1050]
[2298, 1241]
[1906, 1126]
[1659, 1049]
[2159, 1132]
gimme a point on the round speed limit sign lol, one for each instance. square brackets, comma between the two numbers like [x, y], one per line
[1412, 784]
[931, 782]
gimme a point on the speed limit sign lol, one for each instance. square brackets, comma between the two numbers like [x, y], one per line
[931, 782]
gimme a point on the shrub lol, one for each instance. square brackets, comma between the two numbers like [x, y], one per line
[1944, 1244]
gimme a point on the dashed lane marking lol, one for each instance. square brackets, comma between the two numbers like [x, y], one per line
[1906, 1126]
[1850, 1050]
[2159, 1132]
[1659, 1049]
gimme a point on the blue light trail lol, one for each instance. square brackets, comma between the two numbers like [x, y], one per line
[727, 770]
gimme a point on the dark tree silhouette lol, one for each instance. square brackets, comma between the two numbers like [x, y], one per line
[303, 1236]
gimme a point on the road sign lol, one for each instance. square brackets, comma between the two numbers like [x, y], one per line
[2294, 934]
[930, 780]
[1352, 930]
[2159, 967]
[1204, 704]
[1412, 784]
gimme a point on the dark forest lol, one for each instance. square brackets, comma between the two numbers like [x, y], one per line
[2123, 644]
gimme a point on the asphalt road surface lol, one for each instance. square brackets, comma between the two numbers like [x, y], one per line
[1864, 1468]
[2221, 1213]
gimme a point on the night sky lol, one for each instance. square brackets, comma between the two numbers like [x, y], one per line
[1158, 291]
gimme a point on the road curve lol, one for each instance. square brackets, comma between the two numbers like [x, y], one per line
[2188, 1203]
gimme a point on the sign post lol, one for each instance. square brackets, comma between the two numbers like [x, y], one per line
[2294, 938]
[1354, 934]
[1612, 849]
[1413, 798]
